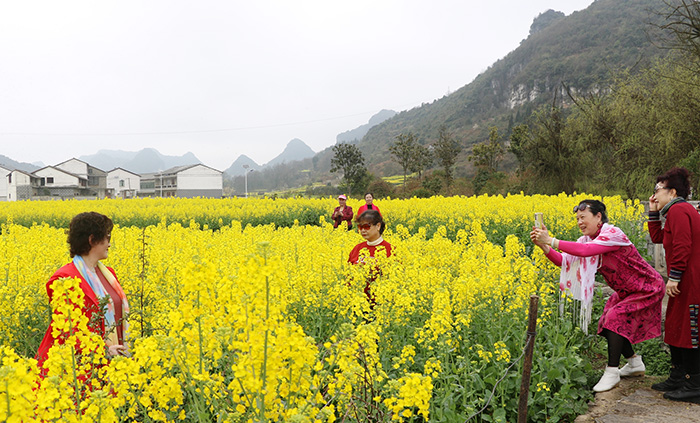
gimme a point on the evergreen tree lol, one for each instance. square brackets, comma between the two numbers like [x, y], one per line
[446, 150]
[348, 159]
[404, 151]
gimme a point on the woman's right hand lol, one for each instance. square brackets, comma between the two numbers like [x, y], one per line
[116, 350]
[540, 237]
[653, 203]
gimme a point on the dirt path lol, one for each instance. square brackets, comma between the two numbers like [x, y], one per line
[633, 401]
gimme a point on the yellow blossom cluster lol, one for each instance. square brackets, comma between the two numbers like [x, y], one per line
[269, 322]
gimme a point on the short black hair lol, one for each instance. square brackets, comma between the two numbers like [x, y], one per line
[373, 217]
[85, 225]
[596, 207]
[677, 178]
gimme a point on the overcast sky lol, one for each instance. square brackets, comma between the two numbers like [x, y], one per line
[225, 78]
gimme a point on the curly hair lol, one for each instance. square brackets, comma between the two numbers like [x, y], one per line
[677, 178]
[373, 217]
[84, 227]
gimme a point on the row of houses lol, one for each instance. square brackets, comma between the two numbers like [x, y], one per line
[77, 179]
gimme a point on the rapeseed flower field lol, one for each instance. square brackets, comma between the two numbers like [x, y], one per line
[246, 310]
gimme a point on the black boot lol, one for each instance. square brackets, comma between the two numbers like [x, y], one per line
[690, 391]
[675, 380]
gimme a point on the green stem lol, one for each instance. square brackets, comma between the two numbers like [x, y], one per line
[199, 329]
[75, 382]
[267, 333]
[7, 394]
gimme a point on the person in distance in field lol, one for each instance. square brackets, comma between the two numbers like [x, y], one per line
[369, 204]
[632, 314]
[680, 236]
[342, 213]
[89, 237]
[371, 226]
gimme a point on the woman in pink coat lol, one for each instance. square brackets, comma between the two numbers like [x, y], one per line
[633, 312]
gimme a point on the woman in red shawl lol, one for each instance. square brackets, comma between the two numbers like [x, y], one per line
[680, 236]
[89, 237]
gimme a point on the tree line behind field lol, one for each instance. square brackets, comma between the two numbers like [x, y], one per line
[612, 141]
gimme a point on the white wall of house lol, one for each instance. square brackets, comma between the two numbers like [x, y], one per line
[119, 180]
[19, 186]
[75, 167]
[60, 179]
[200, 181]
[4, 184]
[200, 177]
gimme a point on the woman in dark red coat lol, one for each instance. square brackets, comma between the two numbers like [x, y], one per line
[680, 236]
[342, 213]
[89, 237]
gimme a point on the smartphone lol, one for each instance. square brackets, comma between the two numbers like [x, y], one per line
[538, 220]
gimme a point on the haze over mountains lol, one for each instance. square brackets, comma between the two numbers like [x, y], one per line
[579, 52]
[8, 163]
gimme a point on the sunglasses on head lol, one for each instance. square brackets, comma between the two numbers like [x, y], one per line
[581, 207]
[364, 226]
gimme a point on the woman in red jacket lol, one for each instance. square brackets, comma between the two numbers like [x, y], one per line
[89, 238]
[369, 204]
[680, 236]
[371, 227]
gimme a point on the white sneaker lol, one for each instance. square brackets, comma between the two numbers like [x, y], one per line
[634, 367]
[609, 380]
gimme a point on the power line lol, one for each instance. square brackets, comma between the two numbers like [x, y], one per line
[202, 131]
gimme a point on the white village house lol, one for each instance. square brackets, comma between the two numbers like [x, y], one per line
[188, 181]
[22, 185]
[122, 183]
[77, 179]
[96, 178]
[57, 182]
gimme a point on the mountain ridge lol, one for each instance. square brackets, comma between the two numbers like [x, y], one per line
[146, 160]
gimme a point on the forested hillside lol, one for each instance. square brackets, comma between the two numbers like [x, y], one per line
[582, 51]
[599, 101]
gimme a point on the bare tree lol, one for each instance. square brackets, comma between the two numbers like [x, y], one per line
[681, 25]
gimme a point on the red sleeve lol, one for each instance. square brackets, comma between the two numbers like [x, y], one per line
[679, 224]
[585, 250]
[347, 213]
[656, 233]
[554, 257]
[355, 254]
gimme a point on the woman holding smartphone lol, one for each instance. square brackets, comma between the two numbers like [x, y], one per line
[632, 314]
[371, 227]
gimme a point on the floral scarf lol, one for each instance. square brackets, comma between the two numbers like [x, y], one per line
[109, 312]
[578, 273]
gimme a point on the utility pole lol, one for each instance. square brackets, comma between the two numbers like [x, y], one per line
[245, 166]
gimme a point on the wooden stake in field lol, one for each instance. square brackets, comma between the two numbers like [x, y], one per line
[527, 361]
